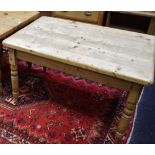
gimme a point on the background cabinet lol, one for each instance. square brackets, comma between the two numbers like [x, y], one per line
[140, 21]
[94, 17]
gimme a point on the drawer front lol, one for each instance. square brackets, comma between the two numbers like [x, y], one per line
[85, 16]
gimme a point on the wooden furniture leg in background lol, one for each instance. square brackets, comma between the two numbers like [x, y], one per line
[151, 29]
[1, 88]
[14, 74]
[101, 17]
[29, 64]
[44, 69]
[108, 19]
[132, 100]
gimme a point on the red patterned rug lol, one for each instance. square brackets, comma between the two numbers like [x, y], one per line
[54, 107]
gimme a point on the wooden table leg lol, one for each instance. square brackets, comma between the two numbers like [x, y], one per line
[108, 19]
[1, 50]
[130, 106]
[44, 69]
[151, 29]
[29, 64]
[14, 74]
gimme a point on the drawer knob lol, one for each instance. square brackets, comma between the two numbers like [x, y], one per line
[88, 13]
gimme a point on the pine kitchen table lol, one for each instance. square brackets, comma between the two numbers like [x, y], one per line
[10, 22]
[110, 56]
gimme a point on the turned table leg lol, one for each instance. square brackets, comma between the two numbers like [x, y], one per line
[133, 97]
[14, 74]
[1, 50]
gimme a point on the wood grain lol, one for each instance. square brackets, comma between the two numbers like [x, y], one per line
[116, 53]
[11, 21]
[77, 71]
[95, 17]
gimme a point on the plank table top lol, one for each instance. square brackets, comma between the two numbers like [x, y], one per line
[12, 21]
[117, 53]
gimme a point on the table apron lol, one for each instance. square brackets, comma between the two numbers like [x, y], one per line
[77, 71]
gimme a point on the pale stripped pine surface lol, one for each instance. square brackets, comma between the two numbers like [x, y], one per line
[11, 21]
[117, 53]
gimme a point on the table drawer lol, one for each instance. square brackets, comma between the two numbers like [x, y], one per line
[85, 16]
